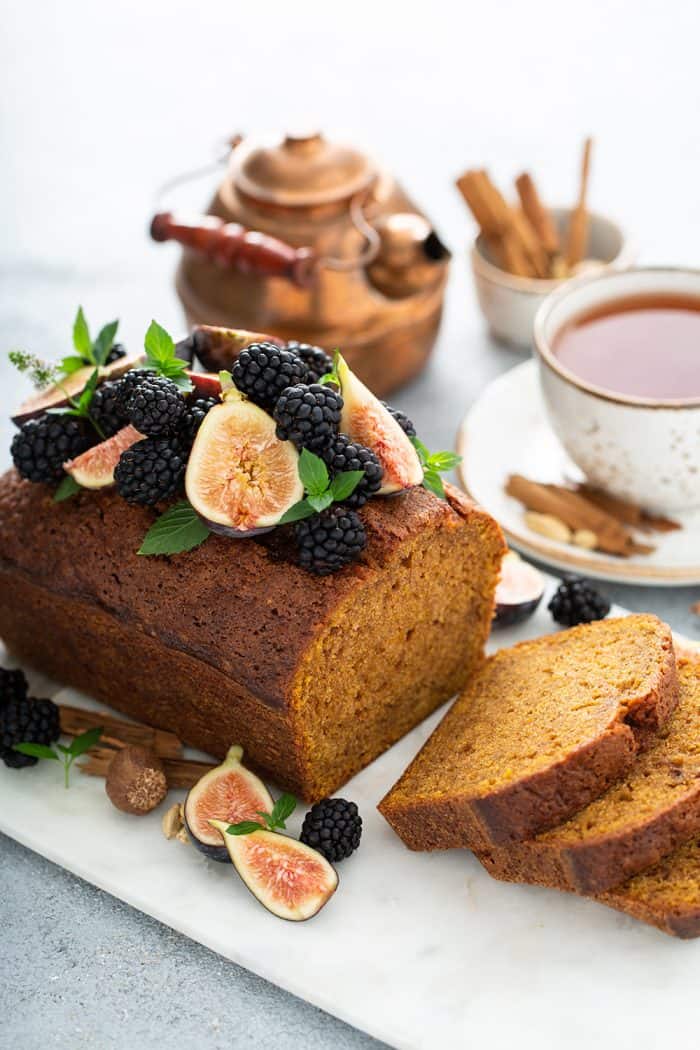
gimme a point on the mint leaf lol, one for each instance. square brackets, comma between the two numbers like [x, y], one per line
[433, 483]
[442, 461]
[246, 827]
[81, 336]
[313, 473]
[161, 357]
[179, 529]
[423, 453]
[104, 342]
[320, 503]
[300, 510]
[85, 741]
[71, 364]
[68, 487]
[283, 808]
[85, 398]
[343, 485]
[37, 751]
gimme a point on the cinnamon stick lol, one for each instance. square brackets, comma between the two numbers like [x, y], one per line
[578, 225]
[539, 217]
[179, 772]
[626, 511]
[496, 222]
[118, 733]
[577, 512]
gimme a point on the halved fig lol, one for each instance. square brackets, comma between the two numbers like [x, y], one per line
[206, 384]
[368, 421]
[230, 793]
[290, 879]
[94, 469]
[240, 477]
[218, 347]
[518, 592]
[71, 386]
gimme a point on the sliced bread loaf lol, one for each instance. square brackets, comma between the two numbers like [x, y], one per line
[651, 811]
[541, 730]
[666, 896]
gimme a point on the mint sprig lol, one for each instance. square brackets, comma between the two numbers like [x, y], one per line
[272, 821]
[68, 487]
[434, 464]
[88, 351]
[179, 529]
[161, 357]
[320, 491]
[80, 406]
[60, 753]
[332, 376]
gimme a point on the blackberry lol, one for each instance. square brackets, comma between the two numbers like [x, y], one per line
[151, 470]
[192, 420]
[402, 419]
[317, 361]
[330, 540]
[43, 445]
[156, 406]
[127, 384]
[13, 686]
[333, 827]
[308, 415]
[263, 371]
[575, 601]
[344, 454]
[107, 410]
[115, 354]
[27, 721]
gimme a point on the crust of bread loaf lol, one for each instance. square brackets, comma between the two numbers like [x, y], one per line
[210, 643]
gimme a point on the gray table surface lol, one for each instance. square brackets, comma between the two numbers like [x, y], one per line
[100, 103]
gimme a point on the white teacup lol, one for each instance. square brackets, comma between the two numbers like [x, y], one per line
[640, 449]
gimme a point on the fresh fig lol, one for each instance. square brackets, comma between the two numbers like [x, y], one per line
[230, 793]
[94, 469]
[71, 386]
[218, 347]
[518, 592]
[290, 879]
[206, 384]
[240, 477]
[370, 423]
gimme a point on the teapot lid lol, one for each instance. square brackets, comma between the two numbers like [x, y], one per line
[301, 169]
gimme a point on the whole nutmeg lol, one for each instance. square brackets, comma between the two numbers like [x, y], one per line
[136, 780]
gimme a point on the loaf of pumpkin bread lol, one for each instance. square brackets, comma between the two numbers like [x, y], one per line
[540, 731]
[232, 642]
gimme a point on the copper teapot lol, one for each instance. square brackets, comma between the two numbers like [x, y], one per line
[311, 240]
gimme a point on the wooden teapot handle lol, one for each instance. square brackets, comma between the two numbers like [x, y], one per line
[231, 246]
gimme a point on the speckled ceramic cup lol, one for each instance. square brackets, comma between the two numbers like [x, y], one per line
[639, 449]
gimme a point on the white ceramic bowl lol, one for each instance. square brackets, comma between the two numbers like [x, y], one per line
[509, 303]
[640, 449]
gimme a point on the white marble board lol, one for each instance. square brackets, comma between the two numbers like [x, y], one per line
[420, 950]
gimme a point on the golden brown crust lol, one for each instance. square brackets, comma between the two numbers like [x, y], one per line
[219, 644]
[529, 803]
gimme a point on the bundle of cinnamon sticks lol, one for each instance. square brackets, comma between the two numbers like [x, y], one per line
[523, 239]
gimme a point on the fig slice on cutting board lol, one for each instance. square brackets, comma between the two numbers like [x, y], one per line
[94, 469]
[71, 386]
[240, 477]
[368, 421]
[230, 793]
[290, 879]
[519, 590]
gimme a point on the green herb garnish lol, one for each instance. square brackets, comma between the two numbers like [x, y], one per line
[41, 373]
[434, 464]
[273, 821]
[161, 357]
[88, 351]
[332, 376]
[80, 406]
[60, 753]
[68, 487]
[320, 491]
[179, 529]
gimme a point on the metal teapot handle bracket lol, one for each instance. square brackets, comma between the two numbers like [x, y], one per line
[362, 225]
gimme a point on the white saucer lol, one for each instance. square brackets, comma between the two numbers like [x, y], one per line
[506, 432]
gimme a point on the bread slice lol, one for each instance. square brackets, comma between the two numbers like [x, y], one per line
[666, 896]
[541, 730]
[651, 811]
